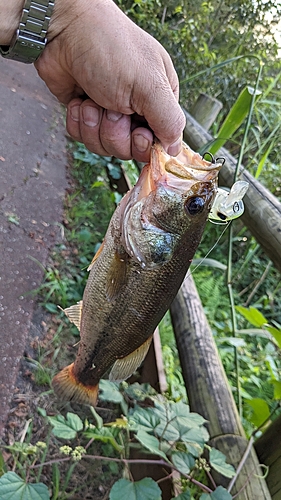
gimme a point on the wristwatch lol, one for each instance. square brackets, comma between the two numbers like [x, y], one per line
[30, 38]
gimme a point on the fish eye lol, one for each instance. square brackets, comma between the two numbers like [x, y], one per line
[195, 205]
[221, 216]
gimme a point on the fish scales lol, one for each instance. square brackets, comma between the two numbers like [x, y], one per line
[147, 250]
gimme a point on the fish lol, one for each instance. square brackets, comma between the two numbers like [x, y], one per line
[138, 270]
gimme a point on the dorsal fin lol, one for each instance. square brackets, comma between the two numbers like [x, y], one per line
[74, 313]
[123, 368]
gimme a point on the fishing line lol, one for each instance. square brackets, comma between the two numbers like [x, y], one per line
[189, 273]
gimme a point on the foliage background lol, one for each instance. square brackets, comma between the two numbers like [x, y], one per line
[200, 35]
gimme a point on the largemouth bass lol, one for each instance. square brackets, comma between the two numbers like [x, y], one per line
[135, 275]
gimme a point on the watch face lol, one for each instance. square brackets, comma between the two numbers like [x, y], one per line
[30, 39]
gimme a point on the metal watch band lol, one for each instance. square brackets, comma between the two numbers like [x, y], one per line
[30, 38]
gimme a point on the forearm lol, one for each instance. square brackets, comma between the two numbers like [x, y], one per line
[10, 14]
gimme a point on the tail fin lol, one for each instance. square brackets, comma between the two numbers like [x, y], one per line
[68, 388]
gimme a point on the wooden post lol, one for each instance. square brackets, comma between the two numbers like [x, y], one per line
[268, 448]
[209, 393]
[206, 109]
[262, 214]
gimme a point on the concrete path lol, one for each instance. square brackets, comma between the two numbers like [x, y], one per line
[32, 186]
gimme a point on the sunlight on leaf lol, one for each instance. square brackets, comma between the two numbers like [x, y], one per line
[260, 411]
[277, 388]
[253, 315]
[234, 119]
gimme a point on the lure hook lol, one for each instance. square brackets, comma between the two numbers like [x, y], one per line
[210, 154]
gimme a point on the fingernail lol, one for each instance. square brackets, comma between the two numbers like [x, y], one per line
[141, 143]
[113, 116]
[74, 113]
[91, 116]
[175, 148]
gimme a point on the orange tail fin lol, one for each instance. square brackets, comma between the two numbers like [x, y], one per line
[68, 388]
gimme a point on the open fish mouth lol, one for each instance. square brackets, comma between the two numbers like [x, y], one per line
[169, 192]
[175, 172]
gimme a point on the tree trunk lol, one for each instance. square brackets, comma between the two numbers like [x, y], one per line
[209, 393]
[262, 214]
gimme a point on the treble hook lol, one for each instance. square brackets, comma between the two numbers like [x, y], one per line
[213, 160]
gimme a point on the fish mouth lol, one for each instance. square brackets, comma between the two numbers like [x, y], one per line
[179, 172]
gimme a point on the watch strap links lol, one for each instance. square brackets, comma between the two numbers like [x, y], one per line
[30, 38]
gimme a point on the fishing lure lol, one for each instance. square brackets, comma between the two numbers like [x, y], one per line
[228, 204]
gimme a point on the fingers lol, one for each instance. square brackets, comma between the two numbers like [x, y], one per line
[108, 133]
[155, 96]
[166, 118]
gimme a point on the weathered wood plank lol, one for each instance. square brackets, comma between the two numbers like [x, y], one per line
[209, 393]
[206, 109]
[268, 448]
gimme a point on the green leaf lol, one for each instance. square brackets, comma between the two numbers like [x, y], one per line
[276, 333]
[234, 119]
[145, 419]
[260, 411]
[55, 481]
[12, 487]
[183, 496]
[195, 440]
[263, 160]
[52, 308]
[218, 462]
[220, 493]
[150, 442]
[66, 428]
[110, 392]
[97, 417]
[234, 341]
[277, 388]
[146, 489]
[41, 411]
[184, 462]
[139, 392]
[253, 315]
[105, 435]
[184, 417]
[2, 464]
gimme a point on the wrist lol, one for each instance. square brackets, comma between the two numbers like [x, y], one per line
[67, 12]
[11, 12]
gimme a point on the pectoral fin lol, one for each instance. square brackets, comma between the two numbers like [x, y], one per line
[74, 313]
[117, 275]
[97, 254]
[123, 368]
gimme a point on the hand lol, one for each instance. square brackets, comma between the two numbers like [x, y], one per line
[94, 50]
